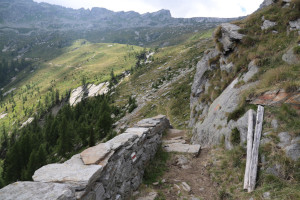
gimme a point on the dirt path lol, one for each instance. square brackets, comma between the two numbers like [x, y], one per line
[194, 173]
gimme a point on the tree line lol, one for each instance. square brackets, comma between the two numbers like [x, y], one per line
[60, 137]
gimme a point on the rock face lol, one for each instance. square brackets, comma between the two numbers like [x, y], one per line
[229, 36]
[200, 80]
[112, 170]
[91, 90]
[266, 3]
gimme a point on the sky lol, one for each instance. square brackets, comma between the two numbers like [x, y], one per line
[178, 8]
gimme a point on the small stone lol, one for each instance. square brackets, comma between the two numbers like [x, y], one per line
[274, 124]
[155, 183]
[267, 195]
[186, 187]
[150, 196]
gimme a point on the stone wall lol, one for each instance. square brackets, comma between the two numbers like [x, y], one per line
[111, 170]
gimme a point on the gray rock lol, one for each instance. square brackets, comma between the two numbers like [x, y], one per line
[186, 187]
[268, 24]
[182, 148]
[274, 170]
[94, 155]
[266, 3]
[200, 83]
[150, 196]
[210, 131]
[285, 139]
[121, 139]
[78, 175]
[267, 195]
[293, 151]
[227, 67]
[296, 140]
[295, 25]
[229, 36]
[252, 70]
[289, 57]
[274, 124]
[37, 191]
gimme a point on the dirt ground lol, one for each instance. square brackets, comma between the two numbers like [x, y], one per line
[195, 174]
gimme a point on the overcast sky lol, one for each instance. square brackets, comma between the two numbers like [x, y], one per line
[178, 8]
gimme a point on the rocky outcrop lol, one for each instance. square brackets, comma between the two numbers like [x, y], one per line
[266, 3]
[229, 36]
[209, 120]
[91, 90]
[110, 170]
[199, 83]
[215, 124]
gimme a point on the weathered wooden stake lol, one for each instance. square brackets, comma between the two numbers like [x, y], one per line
[254, 154]
[249, 148]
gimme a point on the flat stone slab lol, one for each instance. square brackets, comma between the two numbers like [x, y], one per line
[182, 148]
[36, 191]
[137, 131]
[79, 175]
[94, 155]
[177, 140]
[121, 139]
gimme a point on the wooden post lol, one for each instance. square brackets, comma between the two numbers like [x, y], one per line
[249, 148]
[254, 154]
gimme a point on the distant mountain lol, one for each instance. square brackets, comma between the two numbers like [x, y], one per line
[25, 24]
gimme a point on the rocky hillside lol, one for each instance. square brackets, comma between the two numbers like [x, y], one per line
[256, 61]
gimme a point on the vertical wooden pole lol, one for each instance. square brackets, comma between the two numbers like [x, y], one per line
[249, 148]
[254, 155]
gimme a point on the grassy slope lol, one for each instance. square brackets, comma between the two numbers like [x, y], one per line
[94, 61]
[168, 64]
